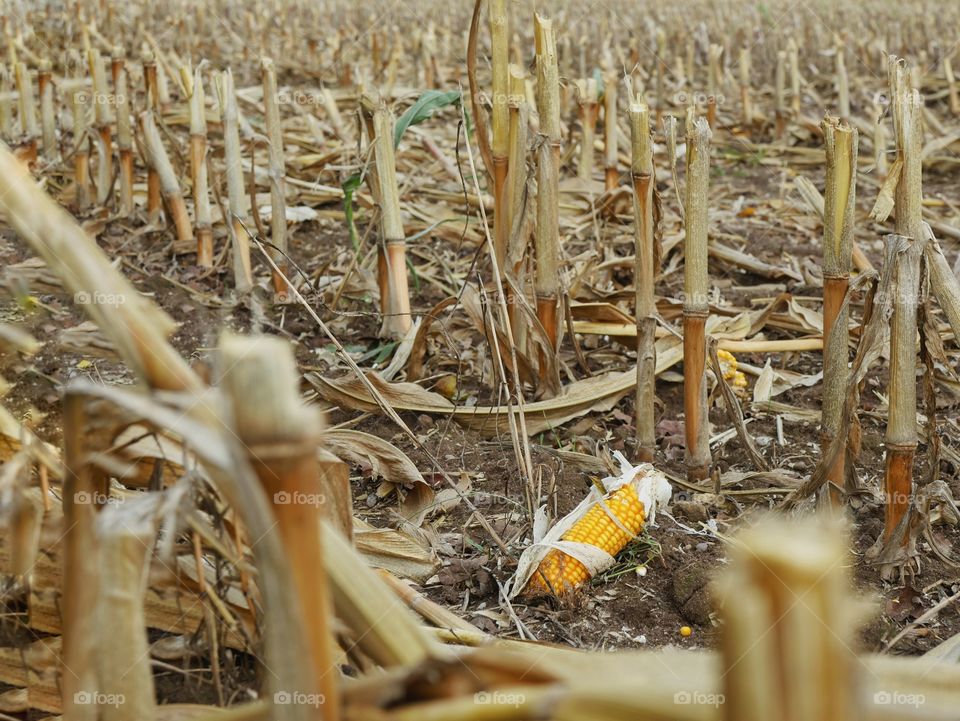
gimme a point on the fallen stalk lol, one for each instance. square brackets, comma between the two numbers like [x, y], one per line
[169, 186]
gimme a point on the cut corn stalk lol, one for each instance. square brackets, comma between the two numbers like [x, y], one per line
[586, 541]
[198, 172]
[793, 54]
[124, 131]
[547, 240]
[646, 218]
[153, 102]
[746, 101]
[587, 98]
[841, 142]
[28, 113]
[516, 194]
[696, 307]
[48, 120]
[499, 120]
[901, 435]
[843, 85]
[610, 129]
[780, 77]
[392, 276]
[236, 199]
[6, 105]
[277, 172]
[101, 114]
[81, 154]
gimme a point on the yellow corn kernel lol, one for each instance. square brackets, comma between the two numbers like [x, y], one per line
[560, 573]
[728, 366]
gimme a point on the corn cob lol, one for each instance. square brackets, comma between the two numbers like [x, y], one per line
[728, 365]
[560, 573]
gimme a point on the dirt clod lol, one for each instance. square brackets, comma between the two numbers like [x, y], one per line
[691, 592]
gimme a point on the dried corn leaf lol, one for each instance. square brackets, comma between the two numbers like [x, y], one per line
[774, 381]
[885, 198]
[394, 551]
[385, 461]
[599, 393]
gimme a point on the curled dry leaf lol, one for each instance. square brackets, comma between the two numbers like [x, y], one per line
[394, 551]
[388, 462]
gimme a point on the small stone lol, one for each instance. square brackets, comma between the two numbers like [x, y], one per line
[703, 547]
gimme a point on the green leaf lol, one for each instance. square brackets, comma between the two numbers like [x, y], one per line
[598, 79]
[350, 186]
[426, 105]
